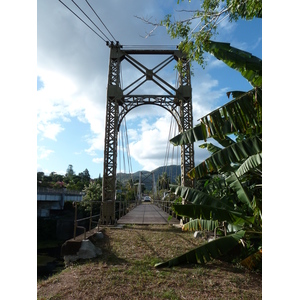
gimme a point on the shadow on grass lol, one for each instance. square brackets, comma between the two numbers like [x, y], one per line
[108, 256]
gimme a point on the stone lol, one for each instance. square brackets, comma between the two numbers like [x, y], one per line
[98, 236]
[87, 250]
[197, 234]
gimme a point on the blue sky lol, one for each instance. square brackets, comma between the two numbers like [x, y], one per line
[72, 68]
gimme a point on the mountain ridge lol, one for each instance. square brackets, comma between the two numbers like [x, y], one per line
[172, 171]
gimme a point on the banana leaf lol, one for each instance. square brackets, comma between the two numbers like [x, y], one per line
[244, 62]
[253, 261]
[207, 207]
[252, 162]
[200, 224]
[232, 154]
[206, 252]
[227, 141]
[242, 192]
[209, 225]
[234, 94]
[238, 115]
[210, 147]
[212, 212]
[215, 185]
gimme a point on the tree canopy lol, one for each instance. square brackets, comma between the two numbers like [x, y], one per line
[203, 23]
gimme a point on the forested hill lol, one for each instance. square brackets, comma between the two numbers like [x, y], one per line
[73, 181]
[172, 172]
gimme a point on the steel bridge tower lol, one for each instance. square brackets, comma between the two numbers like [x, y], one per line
[121, 101]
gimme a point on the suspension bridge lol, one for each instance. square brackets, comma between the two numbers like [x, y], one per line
[176, 98]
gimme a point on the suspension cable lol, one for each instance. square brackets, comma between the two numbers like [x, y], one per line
[127, 148]
[167, 148]
[89, 19]
[82, 20]
[124, 147]
[100, 19]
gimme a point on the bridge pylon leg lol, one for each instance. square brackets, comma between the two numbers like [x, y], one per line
[186, 118]
[108, 212]
[114, 97]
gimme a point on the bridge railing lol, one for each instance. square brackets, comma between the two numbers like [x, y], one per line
[166, 206]
[91, 218]
[122, 208]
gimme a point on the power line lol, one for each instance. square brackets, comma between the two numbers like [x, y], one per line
[90, 19]
[99, 19]
[82, 20]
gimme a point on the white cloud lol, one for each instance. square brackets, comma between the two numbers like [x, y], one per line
[98, 160]
[43, 153]
[151, 149]
[206, 95]
[216, 63]
[96, 144]
[50, 130]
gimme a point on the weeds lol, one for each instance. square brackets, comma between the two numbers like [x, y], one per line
[126, 271]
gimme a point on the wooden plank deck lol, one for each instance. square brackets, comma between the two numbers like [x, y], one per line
[147, 214]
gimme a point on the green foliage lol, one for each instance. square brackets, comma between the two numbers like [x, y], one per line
[206, 252]
[200, 224]
[70, 180]
[241, 116]
[70, 172]
[248, 65]
[164, 181]
[208, 18]
[232, 188]
[93, 192]
[202, 205]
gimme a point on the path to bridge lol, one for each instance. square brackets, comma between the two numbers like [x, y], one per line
[147, 214]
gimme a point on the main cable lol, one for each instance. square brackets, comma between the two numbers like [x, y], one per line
[82, 20]
[90, 19]
[100, 19]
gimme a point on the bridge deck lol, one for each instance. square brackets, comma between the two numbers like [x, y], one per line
[147, 214]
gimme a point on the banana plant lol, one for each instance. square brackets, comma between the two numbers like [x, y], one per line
[200, 224]
[235, 197]
[206, 252]
[237, 59]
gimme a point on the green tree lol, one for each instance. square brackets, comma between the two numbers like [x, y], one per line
[40, 176]
[85, 176]
[130, 190]
[178, 180]
[70, 172]
[93, 192]
[207, 18]
[164, 181]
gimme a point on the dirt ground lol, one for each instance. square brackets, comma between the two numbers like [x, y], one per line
[126, 270]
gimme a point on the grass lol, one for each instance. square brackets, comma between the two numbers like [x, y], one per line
[126, 270]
